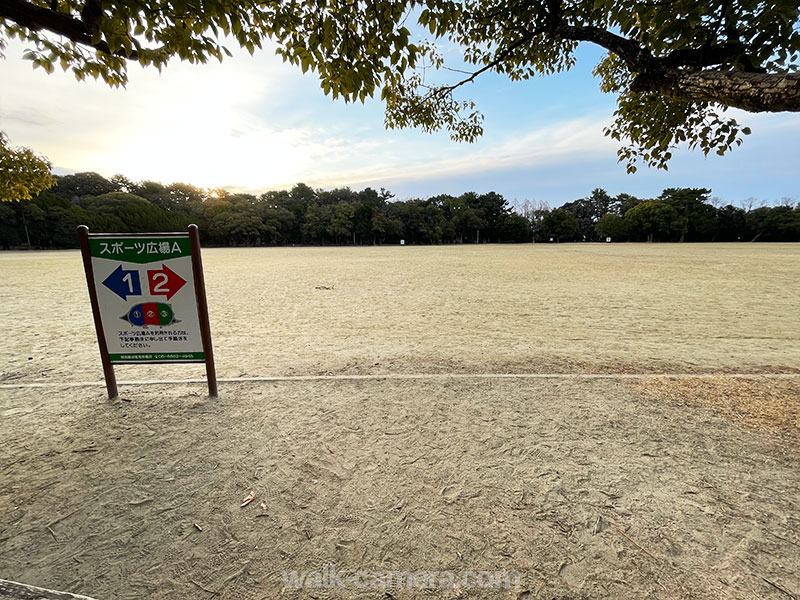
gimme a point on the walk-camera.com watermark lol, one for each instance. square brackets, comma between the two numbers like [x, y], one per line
[328, 577]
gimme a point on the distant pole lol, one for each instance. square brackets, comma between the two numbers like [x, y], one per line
[202, 310]
[108, 368]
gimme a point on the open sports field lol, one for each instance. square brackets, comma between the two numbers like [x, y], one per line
[663, 308]
[602, 420]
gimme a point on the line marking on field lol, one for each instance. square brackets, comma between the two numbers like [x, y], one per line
[409, 376]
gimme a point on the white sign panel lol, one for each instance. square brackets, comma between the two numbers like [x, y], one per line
[146, 294]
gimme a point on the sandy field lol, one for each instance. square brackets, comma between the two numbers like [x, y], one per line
[660, 308]
[588, 489]
[583, 486]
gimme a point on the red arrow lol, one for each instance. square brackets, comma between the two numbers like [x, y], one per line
[165, 282]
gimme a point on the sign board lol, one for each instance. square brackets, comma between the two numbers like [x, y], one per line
[148, 299]
[146, 294]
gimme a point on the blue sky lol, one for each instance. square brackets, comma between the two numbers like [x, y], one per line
[255, 123]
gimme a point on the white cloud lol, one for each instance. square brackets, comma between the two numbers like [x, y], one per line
[558, 143]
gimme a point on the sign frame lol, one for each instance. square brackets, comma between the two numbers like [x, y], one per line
[200, 300]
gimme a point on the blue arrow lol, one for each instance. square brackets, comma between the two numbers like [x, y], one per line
[124, 283]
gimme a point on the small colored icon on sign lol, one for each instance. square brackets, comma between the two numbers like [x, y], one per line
[124, 283]
[150, 313]
[164, 282]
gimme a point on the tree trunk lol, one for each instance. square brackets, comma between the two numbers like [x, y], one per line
[753, 92]
[25, 225]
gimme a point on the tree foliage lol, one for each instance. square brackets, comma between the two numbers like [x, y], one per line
[654, 220]
[22, 173]
[674, 66]
[560, 225]
[611, 226]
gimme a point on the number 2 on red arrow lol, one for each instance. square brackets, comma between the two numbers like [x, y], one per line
[158, 283]
[164, 282]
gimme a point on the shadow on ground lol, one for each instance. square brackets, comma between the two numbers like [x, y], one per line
[585, 488]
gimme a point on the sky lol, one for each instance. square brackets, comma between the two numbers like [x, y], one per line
[254, 123]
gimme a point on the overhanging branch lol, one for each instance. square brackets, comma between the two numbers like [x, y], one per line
[753, 92]
[37, 18]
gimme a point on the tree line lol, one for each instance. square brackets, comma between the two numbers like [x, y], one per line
[341, 216]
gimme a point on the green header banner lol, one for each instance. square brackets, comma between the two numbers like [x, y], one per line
[139, 249]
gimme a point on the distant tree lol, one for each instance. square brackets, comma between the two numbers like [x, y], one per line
[588, 212]
[624, 202]
[515, 228]
[296, 202]
[23, 174]
[462, 215]
[10, 231]
[437, 229]
[698, 216]
[341, 223]
[215, 204]
[137, 214]
[278, 223]
[611, 226]
[342, 195]
[362, 220]
[731, 224]
[774, 224]
[317, 219]
[32, 219]
[561, 225]
[385, 227]
[654, 220]
[493, 209]
[183, 196]
[303, 193]
[535, 213]
[123, 184]
[59, 219]
[79, 185]
[153, 191]
[236, 227]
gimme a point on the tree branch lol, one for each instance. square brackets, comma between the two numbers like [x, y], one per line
[702, 57]
[753, 92]
[499, 58]
[635, 57]
[37, 18]
[750, 89]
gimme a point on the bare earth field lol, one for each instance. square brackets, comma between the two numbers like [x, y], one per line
[635, 487]
[518, 308]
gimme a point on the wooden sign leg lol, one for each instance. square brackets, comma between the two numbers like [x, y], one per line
[108, 368]
[202, 310]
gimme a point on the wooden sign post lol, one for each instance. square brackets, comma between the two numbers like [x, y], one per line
[148, 300]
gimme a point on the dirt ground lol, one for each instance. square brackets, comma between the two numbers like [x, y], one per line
[528, 308]
[666, 487]
[586, 488]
